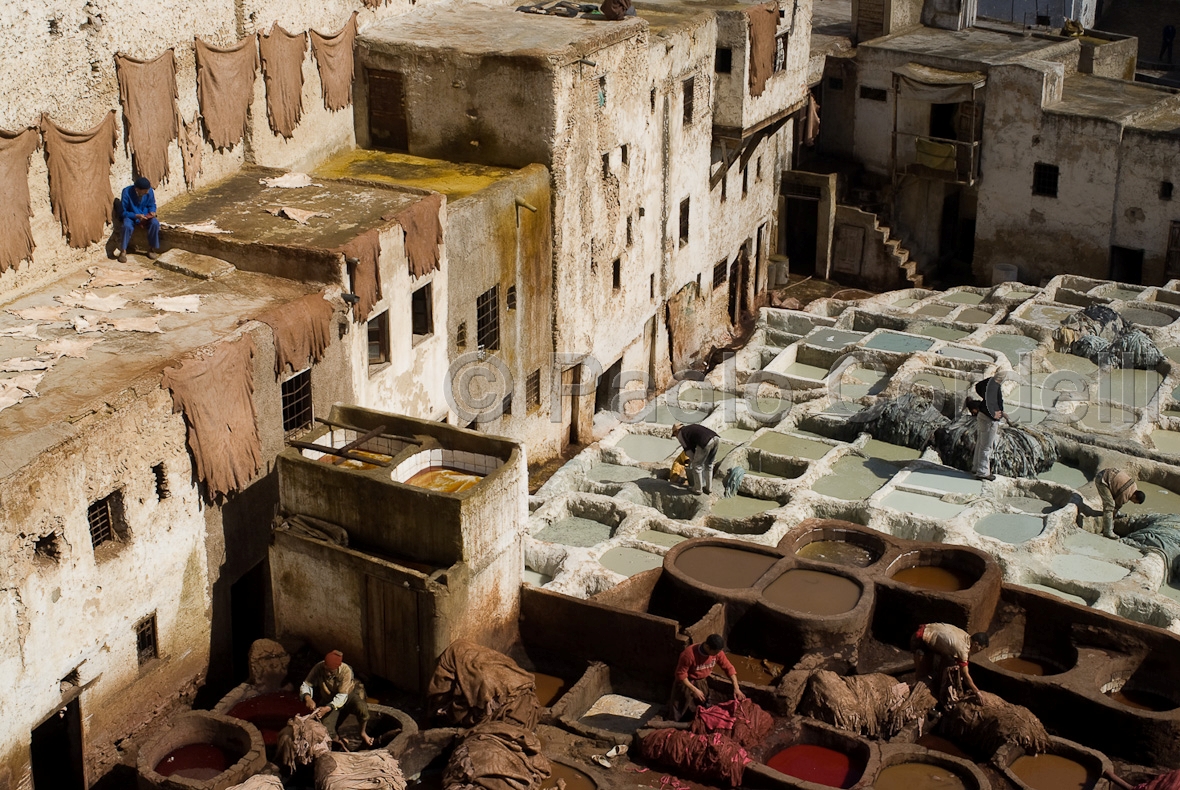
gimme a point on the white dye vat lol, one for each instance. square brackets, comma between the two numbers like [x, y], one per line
[628, 561]
[1079, 567]
[954, 352]
[942, 333]
[1098, 547]
[648, 449]
[875, 448]
[963, 297]
[784, 444]
[825, 337]
[1062, 594]
[803, 371]
[1010, 527]
[899, 343]
[1128, 386]
[1166, 441]
[944, 480]
[854, 478]
[1026, 504]
[530, 576]
[1065, 474]
[1159, 500]
[935, 310]
[921, 505]
[659, 538]
[615, 473]
[1011, 346]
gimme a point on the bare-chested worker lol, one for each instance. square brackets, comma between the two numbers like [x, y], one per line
[332, 693]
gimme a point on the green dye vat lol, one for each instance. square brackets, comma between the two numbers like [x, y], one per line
[1026, 504]
[843, 408]
[854, 478]
[963, 297]
[1065, 474]
[530, 576]
[953, 352]
[1172, 353]
[825, 337]
[723, 450]
[942, 333]
[736, 435]
[767, 409]
[939, 383]
[659, 538]
[735, 507]
[935, 310]
[1128, 386]
[1125, 294]
[1145, 317]
[575, 531]
[1060, 361]
[899, 343]
[665, 414]
[1098, 547]
[1171, 590]
[1047, 313]
[648, 449]
[865, 382]
[974, 316]
[1023, 296]
[697, 395]
[1062, 594]
[615, 473]
[875, 448]
[1166, 441]
[1010, 527]
[905, 302]
[918, 504]
[1107, 419]
[1159, 500]
[803, 371]
[628, 561]
[945, 481]
[797, 446]
[1023, 415]
[1011, 346]
[1079, 567]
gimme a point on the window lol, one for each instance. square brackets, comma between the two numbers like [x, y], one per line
[745, 181]
[461, 335]
[630, 231]
[1165, 190]
[510, 297]
[616, 276]
[719, 271]
[602, 91]
[690, 85]
[487, 319]
[836, 83]
[1172, 262]
[145, 639]
[1045, 180]
[723, 63]
[724, 182]
[422, 312]
[297, 403]
[106, 519]
[161, 476]
[651, 285]
[653, 99]
[873, 94]
[379, 339]
[506, 405]
[625, 154]
[606, 164]
[780, 53]
[532, 389]
[684, 206]
[758, 169]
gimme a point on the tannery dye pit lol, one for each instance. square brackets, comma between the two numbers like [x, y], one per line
[817, 764]
[813, 592]
[917, 776]
[721, 566]
[445, 480]
[933, 577]
[198, 761]
[1053, 772]
[837, 552]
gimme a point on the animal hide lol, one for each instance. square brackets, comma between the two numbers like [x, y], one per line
[192, 150]
[147, 92]
[80, 178]
[333, 57]
[282, 70]
[302, 331]
[763, 26]
[225, 89]
[423, 234]
[366, 274]
[16, 234]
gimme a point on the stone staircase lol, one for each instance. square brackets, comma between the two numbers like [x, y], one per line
[911, 270]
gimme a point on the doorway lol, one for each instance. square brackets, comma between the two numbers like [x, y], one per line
[1126, 265]
[248, 615]
[56, 748]
[571, 384]
[388, 127]
[802, 221]
[948, 229]
[607, 390]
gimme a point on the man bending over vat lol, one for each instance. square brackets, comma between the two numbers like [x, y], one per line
[953, 647]
[700, 444]
[1116, 488]
[332, 693]
[691, 689]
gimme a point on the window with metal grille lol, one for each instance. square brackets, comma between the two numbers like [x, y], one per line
[630, 232]
[161, 476]
[1045, 179]
[510, 297]
[616, 274]
[602, 91]
[836, 83]
[606, 164]
[1165, 190]
[690, 85]
[873, 94]
[720, 269]
[379, 339]
[506, 405]
[297, 403]
[145, 639]
[625, 154]
[532, 389]
[780, 52]
[487, 319]
[422, 312]
[723, 63]
[461, 335]
[805, 191]
[684, 208]
[105, 517]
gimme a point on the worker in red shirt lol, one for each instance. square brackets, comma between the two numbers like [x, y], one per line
[690, 689]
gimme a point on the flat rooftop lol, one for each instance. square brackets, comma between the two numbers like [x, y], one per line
[974, 45]
[662, 15]
[1115, 100]
[475, 29]
[73, 388]
[456, 180]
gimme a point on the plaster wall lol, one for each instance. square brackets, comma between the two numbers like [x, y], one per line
[1142, 218]
[1025, 12]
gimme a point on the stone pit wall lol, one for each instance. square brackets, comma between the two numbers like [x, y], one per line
[59, 63]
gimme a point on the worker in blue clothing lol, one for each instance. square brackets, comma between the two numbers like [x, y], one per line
[139, 210]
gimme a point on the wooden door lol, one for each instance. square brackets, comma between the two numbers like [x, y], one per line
[571, 379]
[388, 127]
[392, 638]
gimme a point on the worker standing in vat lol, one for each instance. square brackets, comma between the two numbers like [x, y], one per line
[690, 689]
[1116, 488]
[331, 692]
[988, 412]
[953, 647]
[700, 444]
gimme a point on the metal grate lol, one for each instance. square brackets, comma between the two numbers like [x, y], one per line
[461, 335]
[487, 319]
[161, 474]
[297, 412]
[690, 85]
[145, 639]
[1045, 179]
[510, 297]
[102, 526]
[804, 191]
[532, 389]
[720, 269]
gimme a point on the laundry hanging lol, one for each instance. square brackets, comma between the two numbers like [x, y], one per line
[282, 71]
[225, 89]
[147, 93]
[333, 57]
[16, 233]
[80, 178]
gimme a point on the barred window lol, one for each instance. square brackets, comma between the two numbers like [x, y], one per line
[720, 270]
[532, 389]
[105, 519]
[379, 339]
[487, 318]
[1045, 179]
[145, 639]
[297, 414]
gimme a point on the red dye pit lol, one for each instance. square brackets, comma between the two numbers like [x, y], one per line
[817, 764]
[199, 761]
[270, 713]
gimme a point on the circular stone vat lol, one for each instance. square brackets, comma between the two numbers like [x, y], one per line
[1145, 317]
[848, 547]
[270, 712]
[1132, 695]
[1010, 527]
[1024, 662]
[925, 772]
[573, 778]
[1064, 766]
[938, 570]
[933, 577]
[821, 755]
[813, 592]
[722, 566]
[204, 750]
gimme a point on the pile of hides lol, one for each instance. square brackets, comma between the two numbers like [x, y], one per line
[1168, 781]
[473, 683]
[496, 755]
[878, 706]
[1158, 533]
[301, 742]
[1019, 451]
[374, 770]
[740, 719]
[311, 527]
[712, 759]
[1102, 336]
[260, 782]
[909, 420]
[983, 726]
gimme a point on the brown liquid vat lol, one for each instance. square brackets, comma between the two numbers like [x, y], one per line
[965, 771]
[854, 541]
[1060, 758]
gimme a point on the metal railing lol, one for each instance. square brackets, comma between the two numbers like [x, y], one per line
[936, 157]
